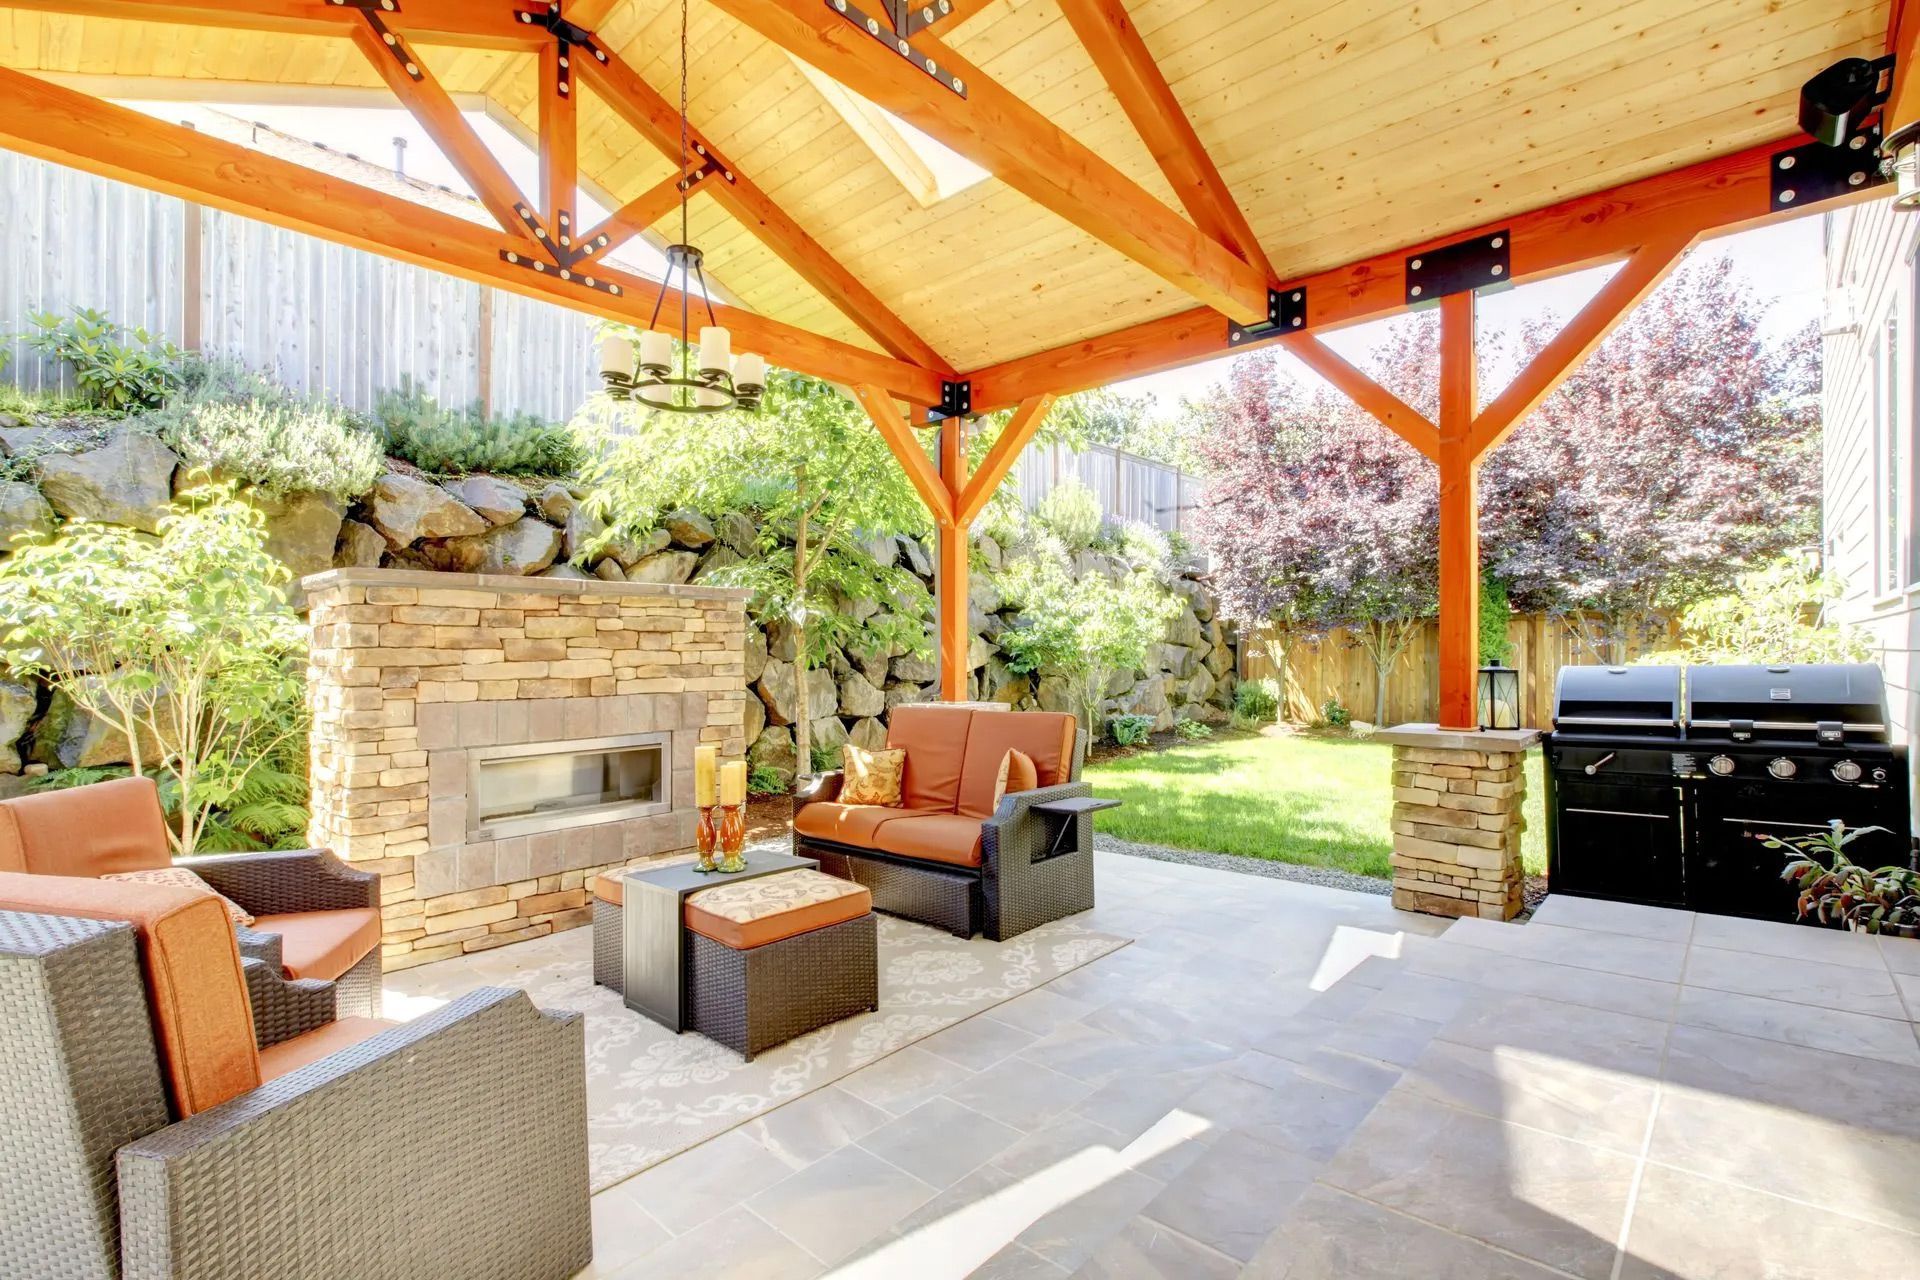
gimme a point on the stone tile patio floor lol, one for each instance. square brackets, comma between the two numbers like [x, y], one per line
[1278, 1080]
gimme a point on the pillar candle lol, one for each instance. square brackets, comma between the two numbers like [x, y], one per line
[656, 350]
[706, 768]
[733, 782]
[714, 349]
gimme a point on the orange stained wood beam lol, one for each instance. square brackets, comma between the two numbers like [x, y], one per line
[1715, 197]
[635, 216]
[954, 595]
[1116, 46]
[1018, 145]
[461, 22]
[559, 140]
[1582, 336]
[63, 127]
[658, 121]
[1459, 518]
[1903, 42]
[993, 468]
[1394, 413]
[921, 471]
[588, 13]
[398, 63]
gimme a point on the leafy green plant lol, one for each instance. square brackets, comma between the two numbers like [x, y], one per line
[1257, 701]
[18, 403]
[1193, 730]
[825, 758]
[1495, 611]
[1071, 513]
[184, 643]
[1776, 613]
[446, 441]
[1130, 730]
[765, 780]
[1835, 889]
[231, 422]
[1334, 712]
[114, 367]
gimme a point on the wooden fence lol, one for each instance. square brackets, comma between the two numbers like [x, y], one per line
[1335, 666]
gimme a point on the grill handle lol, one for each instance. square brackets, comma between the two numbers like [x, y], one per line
[1599, 764]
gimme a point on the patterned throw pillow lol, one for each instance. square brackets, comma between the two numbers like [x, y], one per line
[181, 878]
[872, 777]
[1017, 773]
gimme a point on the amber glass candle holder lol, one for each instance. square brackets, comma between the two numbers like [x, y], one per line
[733, 837]
[706, 838]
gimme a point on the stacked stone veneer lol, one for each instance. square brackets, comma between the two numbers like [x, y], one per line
[1457, 802]
[409, 670]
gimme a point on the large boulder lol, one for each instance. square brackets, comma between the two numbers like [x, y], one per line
[524, 547]
[901, 695]
[1185, 630]
[827, 734]
[859, 697]
[405, 510]
[869, 734]
[583, 527]
[495, 500]
[884, 549]
[361, 546]
[302, 530]
[70, 737]
[127, 481]
[989, 550]
[630, 551]
[16, 711]
[755, 654]
[670, 567]
[737, 531]
[22, 510]
[1056, 694]
[689, 529]
[779, 690]
[754, 718]
[716, 559]
[609, 570]
[555, 503]
[914, 670]
[916, 556]
[783, 642]
[983, 594]
[567, 571]
[870, 661]
[773, 749]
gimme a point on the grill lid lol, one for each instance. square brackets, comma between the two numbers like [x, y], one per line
[1624, 701]
[1817, 702]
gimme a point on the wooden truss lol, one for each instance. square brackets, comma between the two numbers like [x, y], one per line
[1212, 254]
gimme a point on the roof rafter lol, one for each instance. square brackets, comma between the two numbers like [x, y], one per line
[1018, 145]
[51, 123]
[462, 22]
[559, 139]
[639, 213]
[1117, 49]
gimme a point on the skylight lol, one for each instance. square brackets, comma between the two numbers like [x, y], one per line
[929, 170]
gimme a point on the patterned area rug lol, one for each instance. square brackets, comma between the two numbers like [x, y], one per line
[652, 1094]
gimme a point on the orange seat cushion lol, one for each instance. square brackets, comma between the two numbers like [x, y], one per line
[753, 913]
[611, 886]
[1046, 737]
[855, 824]
[191, 963]
[323, 944]
[935, 740]
[291, 1055]
[85, 831]
[934, 837]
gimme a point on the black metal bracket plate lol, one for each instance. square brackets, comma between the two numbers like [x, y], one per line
[1814, 172]
[956, 401]
[1286, 313]
[393, 44]
[911, 17]
[1480, 263]
[540, 267]
[882, 30]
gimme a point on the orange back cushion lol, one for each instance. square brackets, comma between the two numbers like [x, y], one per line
[85, 831]
[1046, 737]
[191, 963]
[935, 740]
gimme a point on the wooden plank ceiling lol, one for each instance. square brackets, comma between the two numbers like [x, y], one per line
[1344, 128]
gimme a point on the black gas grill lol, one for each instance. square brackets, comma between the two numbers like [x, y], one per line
[1661, 783]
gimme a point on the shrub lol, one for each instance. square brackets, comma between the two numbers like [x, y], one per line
[115, 368]
[1256, 701]
[825, 758]
[237, 424]
[765, 780]
[1071, 513]
[1193, 730]
[1335, 713]
[447, 441]
[1130, 730]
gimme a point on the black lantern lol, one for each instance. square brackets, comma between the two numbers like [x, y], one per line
[1499, 697]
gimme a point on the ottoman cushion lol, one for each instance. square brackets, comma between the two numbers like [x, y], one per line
[755, 912]
[611, 886]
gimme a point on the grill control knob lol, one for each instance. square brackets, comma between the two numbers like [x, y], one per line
[1781, 767]
[1721, 765]
[1847, 771]
[1879, 775]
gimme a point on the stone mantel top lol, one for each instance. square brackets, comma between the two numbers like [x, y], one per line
[432, 579]
[1434, 738]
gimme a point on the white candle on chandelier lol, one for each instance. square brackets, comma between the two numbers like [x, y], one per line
[714, 347]
[656, 350]
[616, 355]
[750, 371]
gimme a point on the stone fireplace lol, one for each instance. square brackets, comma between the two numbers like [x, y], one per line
[489, 744]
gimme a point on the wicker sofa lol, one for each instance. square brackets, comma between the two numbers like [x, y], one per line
[948, 856]
[143, 1134]
[317, 920]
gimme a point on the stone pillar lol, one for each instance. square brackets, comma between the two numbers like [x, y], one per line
[1457, 802]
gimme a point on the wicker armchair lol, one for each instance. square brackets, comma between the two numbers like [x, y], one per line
[453, 1145]
[1003, 870]
[317, 919]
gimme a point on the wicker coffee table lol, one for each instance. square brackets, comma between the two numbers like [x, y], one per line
[653, 926]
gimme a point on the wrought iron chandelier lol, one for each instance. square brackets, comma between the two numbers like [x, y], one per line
[698, 378]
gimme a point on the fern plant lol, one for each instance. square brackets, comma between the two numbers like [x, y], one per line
[447, 441]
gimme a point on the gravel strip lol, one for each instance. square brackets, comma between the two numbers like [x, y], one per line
[1325, 877]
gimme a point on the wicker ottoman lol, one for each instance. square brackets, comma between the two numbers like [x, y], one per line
[608, 896]
[775, 958]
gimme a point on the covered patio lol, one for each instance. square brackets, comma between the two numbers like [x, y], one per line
[1205, 1074]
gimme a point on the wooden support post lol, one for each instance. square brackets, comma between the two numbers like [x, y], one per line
[559, 133]
[951, 572]
[1459, 518]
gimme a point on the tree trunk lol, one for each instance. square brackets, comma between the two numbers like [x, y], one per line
[802, 726]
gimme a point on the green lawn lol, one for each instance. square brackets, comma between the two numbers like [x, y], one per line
[1303, 798]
